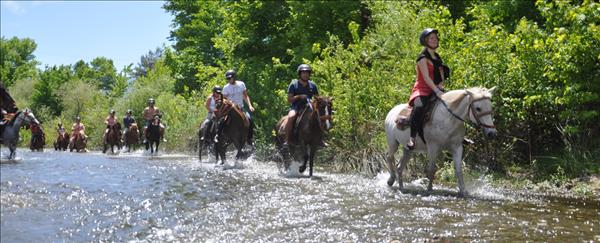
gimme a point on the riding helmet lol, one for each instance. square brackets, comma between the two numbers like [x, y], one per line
[217, 89]
[304, 67]
[424, 35]
[230, 73]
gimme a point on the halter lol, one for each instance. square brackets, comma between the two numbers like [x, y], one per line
[477, 116]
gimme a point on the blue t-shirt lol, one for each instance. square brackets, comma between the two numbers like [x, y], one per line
[127, 121]
[296, 88]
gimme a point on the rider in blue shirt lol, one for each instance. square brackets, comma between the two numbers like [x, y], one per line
[300, 91]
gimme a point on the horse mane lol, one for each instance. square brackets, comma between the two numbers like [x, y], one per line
[454, 97]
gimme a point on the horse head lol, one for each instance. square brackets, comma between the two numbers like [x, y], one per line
[27, 118]
[481, 110]
[224, 107]
[323, 105]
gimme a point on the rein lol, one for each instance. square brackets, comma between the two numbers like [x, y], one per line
[477, 117]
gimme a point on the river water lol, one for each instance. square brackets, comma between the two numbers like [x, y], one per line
[61, 196]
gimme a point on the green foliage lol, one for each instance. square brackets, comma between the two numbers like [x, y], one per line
[544, 58]
[17, 60]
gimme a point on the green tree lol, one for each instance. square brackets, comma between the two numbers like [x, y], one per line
[17, 60]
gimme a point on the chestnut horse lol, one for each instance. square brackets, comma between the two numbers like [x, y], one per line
[62, 141]
[233, 129]
[311, 126]
[112, 138]
[38, 138]
[132, 137]
[78, 143]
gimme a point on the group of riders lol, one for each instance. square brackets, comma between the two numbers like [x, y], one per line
[430, 70]
[151, 115]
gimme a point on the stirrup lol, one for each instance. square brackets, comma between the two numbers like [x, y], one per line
[410, 145]
[467, 141]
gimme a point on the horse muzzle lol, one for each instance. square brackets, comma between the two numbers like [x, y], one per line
[490, 133]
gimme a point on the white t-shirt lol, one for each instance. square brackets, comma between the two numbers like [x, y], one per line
[235, 92]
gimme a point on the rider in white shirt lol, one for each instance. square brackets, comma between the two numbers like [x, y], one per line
[235, 90]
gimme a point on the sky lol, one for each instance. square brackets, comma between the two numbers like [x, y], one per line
[66, 32]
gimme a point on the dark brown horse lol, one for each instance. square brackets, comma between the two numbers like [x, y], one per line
[62, 141]
[132, 137]
[206, 134]
[78, 143]
[233, 129]
[311, 125]
[154, 134]
[38, 138]
[113, 138]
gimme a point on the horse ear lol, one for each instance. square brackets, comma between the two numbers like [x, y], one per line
[492, 89]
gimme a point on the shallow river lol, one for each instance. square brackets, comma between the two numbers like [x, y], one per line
[61, 196]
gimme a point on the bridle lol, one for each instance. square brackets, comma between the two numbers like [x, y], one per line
[324, 117]
[476, 115]
[481, 114]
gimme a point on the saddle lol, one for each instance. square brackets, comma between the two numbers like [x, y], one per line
[403, 117]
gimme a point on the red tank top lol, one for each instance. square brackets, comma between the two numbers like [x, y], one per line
[421, 88]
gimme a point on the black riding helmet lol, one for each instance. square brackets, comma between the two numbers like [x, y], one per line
[424, 35]
[230, 73]
[151, 101]
[129, 111]
[217, 89]
[112, 111]
[304, 67]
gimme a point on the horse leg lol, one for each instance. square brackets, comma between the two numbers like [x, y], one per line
[391, 162]
[405, 157]
[432, 153]
[311, 158]
[304, 159]
[457, 157]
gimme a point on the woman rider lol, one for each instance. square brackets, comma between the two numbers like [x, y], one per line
[430, 76]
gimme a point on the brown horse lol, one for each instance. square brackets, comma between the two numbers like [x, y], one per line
[62, 141]
[38, 138]
[311, 125]
[113, 138]
[78, 143]
[132, 137]
[233, 129]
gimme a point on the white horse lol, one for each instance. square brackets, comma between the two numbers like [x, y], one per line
[10, 135]
[444, 131]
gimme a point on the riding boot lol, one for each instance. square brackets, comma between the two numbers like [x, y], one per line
[415, 125]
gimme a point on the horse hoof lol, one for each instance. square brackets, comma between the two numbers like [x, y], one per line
[302, 169]
[390, 181]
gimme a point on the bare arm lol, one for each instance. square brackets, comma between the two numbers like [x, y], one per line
[247, 99]
[207, 104]
[422, 65]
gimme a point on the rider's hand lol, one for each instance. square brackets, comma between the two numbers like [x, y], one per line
[251, 108]
[301, 97]
[438, 93]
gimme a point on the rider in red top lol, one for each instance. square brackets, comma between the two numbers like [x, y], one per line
[111, 120]
[430, 77]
